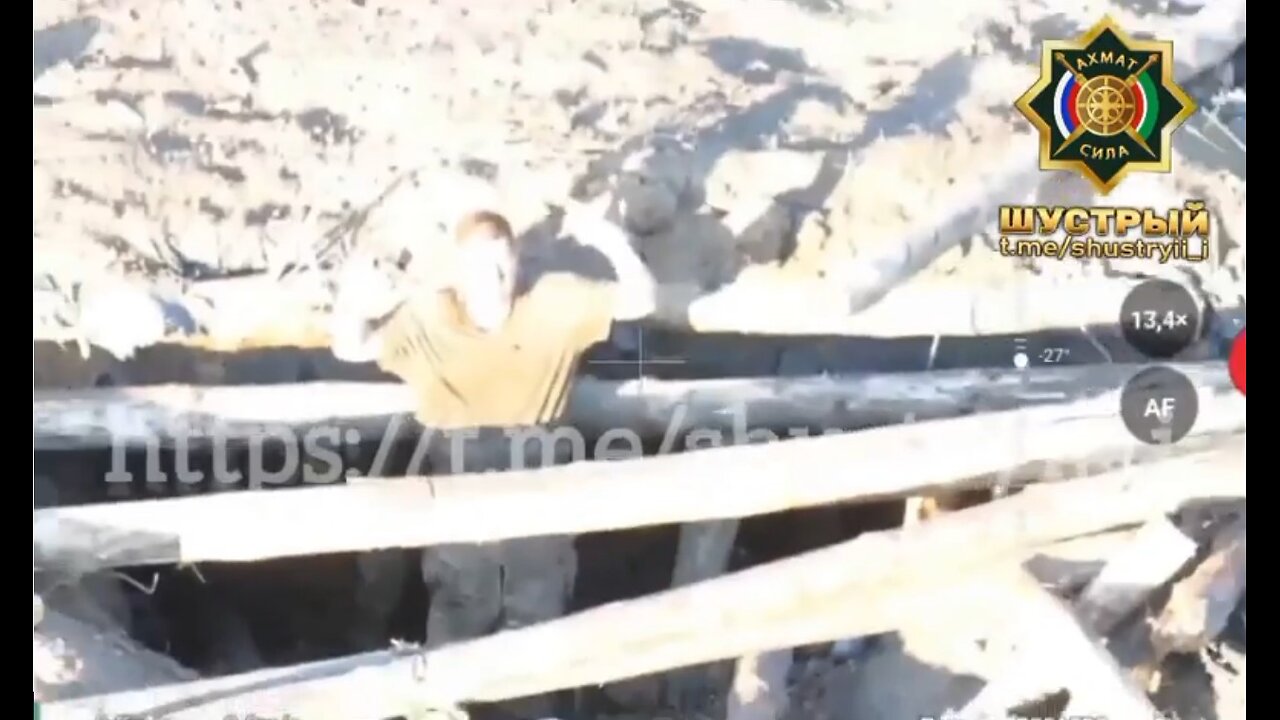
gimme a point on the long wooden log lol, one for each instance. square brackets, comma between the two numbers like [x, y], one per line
[939, 307]
[871, 584]
[142, 416]
[706, 484]
[1073, 557]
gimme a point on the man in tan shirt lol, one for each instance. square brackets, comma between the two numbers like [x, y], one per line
[490, 347]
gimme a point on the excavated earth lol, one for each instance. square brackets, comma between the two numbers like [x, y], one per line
[200, 168]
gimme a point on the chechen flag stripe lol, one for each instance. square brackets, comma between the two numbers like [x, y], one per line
[1147, 103]
[1064, 104]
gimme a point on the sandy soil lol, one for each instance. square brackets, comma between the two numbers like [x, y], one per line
[784, 156]
[781, 165]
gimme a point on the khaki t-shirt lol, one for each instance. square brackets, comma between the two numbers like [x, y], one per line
[519, 375]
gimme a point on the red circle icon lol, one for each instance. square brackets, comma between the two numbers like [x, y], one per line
[1236, 362]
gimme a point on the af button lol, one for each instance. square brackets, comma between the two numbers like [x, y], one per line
[1159, 405]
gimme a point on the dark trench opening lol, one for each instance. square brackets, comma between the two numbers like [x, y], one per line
[226, 618]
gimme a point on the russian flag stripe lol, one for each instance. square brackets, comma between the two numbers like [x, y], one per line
[1064, 100]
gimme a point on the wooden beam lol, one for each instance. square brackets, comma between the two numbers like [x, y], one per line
[1198, 608]
[1201, 604]
[873, 583]
[296, 316]
[703, 551]
[1054, 652]
[138, 416]
[798, 305]
[1157, 553]
[1068, 567]
[711, 484]
[1150, 559]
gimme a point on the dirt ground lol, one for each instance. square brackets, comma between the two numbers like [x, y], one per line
[782, 166]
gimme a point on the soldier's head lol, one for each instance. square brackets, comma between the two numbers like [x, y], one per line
[484, 274]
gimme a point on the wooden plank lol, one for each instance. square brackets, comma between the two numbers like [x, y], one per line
[711, 484]
[703, 551]
[1198, 608]
[258, 312]
[1157, 553]
[1054, 652]
[867, 585]
[1150, 559]
[1069, 566]
[164, 414]
[1200, 605]
[299, 319]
